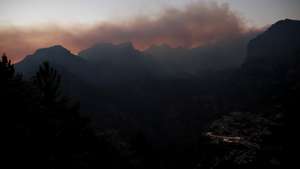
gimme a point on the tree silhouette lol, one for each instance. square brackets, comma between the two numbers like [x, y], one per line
[44, 129]
[20, 115]
[7, 69]
[62, 114]
[48, 81]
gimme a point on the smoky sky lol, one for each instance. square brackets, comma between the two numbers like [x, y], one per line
[198, 24]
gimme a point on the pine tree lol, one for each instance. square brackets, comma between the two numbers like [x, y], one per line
[7, 70]
[48, 81]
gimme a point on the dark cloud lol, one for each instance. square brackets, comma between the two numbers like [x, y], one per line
[198, 24]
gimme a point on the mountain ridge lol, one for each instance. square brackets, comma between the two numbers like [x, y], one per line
[122, 68]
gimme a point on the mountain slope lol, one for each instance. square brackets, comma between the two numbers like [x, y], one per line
[200, 60]
[277, 46]
[271, 63]
[57, 55]
[118, 64]
[77, 75]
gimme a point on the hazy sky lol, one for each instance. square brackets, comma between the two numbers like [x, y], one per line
[26, 25]
[20, 12]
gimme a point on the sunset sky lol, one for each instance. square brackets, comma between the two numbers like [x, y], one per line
[29, 24]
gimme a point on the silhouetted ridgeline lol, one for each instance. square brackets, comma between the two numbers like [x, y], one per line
[206, 107]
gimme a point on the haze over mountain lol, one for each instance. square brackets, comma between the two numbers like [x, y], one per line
[229, 53]
[192, 25]
[157, 59]
[125, 77]
[159, 84]
[191, 105]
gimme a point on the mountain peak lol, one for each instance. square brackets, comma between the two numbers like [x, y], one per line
[276, 46]
[283, 30]
[56, 54]
[56, 49]
[126, 45]
[102, 45]
[102, 51]
[286, 21]
[106, 45]
[285, 25]
[160, 46]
